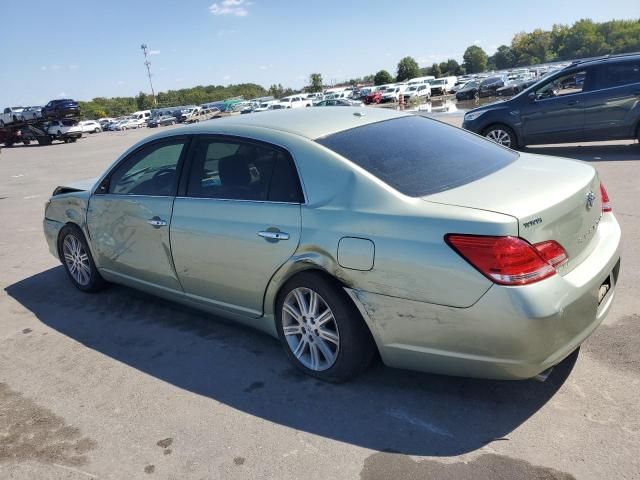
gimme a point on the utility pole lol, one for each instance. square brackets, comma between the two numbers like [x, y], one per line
[147, 63]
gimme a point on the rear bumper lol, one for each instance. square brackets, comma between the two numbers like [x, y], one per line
[510, 333]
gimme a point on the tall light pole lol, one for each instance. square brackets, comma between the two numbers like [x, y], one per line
[147, 63]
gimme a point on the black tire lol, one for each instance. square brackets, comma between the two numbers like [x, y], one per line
[497, 131]
[356, 346]
[95, 282]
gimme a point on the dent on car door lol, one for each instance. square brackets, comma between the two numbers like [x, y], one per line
[556, 113]
[235, 222]
[128, 216]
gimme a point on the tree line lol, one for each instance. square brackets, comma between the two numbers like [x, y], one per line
[118, 106]
[584, 39]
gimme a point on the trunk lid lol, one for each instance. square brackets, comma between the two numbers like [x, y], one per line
[548, 197]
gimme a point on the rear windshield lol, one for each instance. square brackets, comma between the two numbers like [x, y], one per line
[418, 156]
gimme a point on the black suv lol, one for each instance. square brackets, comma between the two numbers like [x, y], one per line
[63, 108]
[590, 100]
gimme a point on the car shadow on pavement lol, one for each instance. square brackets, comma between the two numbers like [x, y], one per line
[384, 409]
[596, 152]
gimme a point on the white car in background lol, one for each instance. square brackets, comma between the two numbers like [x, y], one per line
[127, 124]
[443, 85]
[90, 126]
[392, 94]
[295, 101]
[421, 91]
[31, 113]
[10, 115]
[67, 130]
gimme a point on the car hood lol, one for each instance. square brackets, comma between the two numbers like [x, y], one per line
[81, 185]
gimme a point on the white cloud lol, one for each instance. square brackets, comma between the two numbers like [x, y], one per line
[43, 68]
[55, 67]
[120, 82]
[237, 8]
[222, 33]
[226, 77]
[265, 67]
[153, 52]
[73, 67]
[62, 95]
[477, 42]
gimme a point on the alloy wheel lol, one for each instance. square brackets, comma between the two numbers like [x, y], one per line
[500, 136]
[76, 260]
[310, 329]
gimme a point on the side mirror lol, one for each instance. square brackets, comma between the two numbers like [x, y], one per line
[532, 97]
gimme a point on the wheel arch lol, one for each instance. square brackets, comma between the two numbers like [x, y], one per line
[71, 224]
[321, 265]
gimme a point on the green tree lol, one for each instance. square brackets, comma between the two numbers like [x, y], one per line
[382, 77]
[585, 39]
[475, 59]
[504, 58]
[407, 68]
[144, 101]
[452, 67]
[315, 83]
[435, 70]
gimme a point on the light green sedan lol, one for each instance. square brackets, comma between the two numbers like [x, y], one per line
[347, 232]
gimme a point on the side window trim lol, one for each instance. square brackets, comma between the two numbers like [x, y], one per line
[106, 179]
[189, 160]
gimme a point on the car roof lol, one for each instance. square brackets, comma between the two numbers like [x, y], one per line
[607, 58]
[311, 123]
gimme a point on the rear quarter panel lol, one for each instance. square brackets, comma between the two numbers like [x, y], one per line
[411, 258]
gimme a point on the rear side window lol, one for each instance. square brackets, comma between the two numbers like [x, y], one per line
[238, 170]
[619, 74]
[418, 156]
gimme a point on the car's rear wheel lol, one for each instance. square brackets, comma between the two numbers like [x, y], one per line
[320, 329]
[77, 260]
[502, 135]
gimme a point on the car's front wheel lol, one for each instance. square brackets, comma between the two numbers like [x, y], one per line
[77, 260]
[320, 329]
[502, 135]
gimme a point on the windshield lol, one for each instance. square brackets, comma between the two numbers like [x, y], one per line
[419, 156]
[437, 82]
[411, 89]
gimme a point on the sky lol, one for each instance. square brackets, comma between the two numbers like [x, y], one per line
[83, 50]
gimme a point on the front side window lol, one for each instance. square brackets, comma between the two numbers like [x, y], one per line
[149, 171]
[569, 84]
[238, 170]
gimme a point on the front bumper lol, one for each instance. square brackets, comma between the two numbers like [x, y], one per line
[510, 333]
[51, 232]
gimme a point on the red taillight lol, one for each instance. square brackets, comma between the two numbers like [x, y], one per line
[552, 252]
[606, 204]
[509, 260]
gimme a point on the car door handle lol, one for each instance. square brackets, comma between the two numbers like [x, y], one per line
[274, 235]
[157, 222]
[573, 102]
